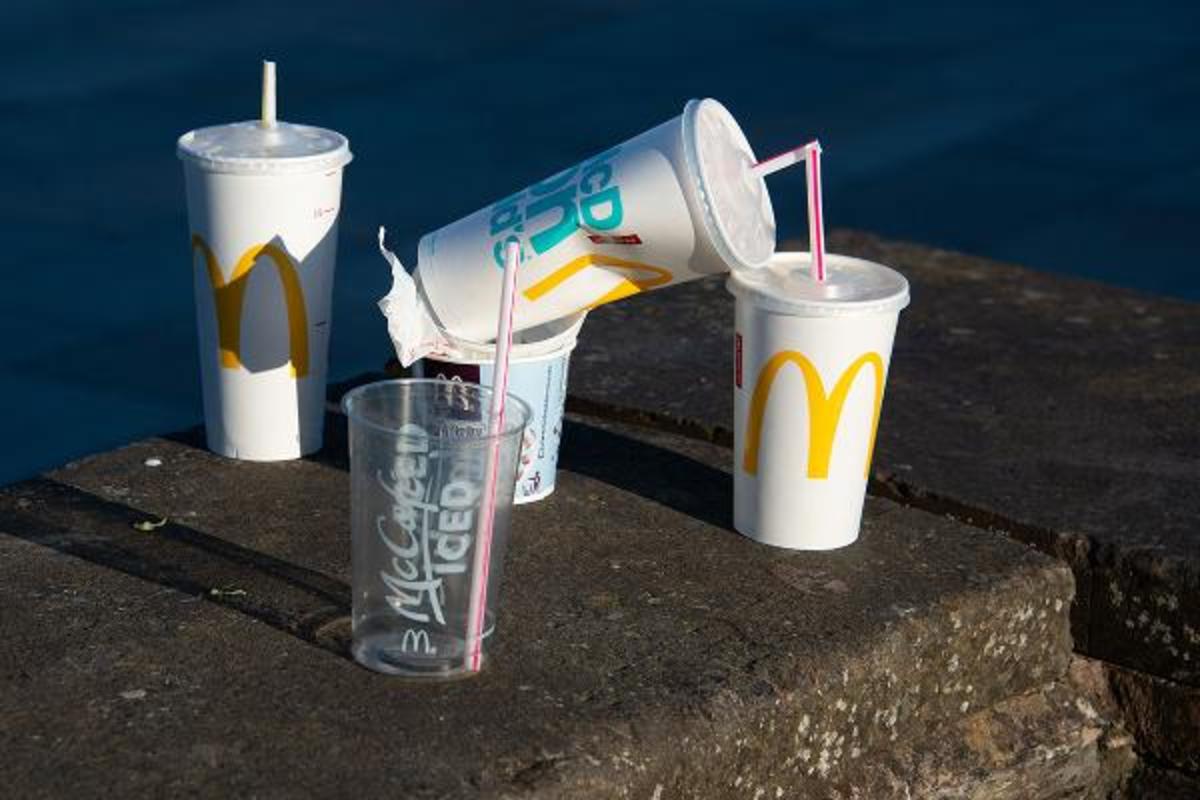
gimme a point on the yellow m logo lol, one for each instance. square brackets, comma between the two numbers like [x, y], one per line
[657, 277]
[824, 411]
[229, 298]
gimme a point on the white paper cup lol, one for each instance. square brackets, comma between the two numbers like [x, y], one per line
[263, 208]
[537, 374]
[810, 366]
[676, 203]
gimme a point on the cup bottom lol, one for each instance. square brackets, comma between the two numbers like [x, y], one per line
[290, 454]
[391, 654]
[791, 541]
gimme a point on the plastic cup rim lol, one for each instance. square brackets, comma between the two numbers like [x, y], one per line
[815, 307]
[691, 152]
[336, 158]
[511, 429]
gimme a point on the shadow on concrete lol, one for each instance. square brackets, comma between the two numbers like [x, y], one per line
[655, 473]
[295, 600]
[630, 464]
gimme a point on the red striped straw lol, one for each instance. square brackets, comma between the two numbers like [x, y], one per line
[477, 611]
[816, 217]
[769, 166]
[810, 154]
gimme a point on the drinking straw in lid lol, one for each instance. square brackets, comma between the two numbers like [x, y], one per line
[483, 547]
[267, 117]
[810, 153]
[816, 218]
[769, 166]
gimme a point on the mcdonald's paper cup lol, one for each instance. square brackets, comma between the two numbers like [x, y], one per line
[537, 374]
[263, 206]
[810, 365]
[677, 202]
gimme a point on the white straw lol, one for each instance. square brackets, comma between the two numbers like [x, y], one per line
[483, 547]
[267, 118]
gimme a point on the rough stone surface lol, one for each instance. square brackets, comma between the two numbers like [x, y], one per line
[1155, 783]
[645, 650]
[1047, 744]
[1163, 716]
[1063, 412]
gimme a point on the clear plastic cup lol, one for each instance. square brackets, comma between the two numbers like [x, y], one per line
[810, 364]
[419, 453]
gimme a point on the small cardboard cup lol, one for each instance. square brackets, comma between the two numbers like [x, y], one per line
[537, 374]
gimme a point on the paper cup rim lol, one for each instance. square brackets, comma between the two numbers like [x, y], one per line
[514, 359]
[561, 343]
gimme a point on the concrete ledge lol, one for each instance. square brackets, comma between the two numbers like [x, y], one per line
[1051, 743]
[1163, 716]
[648, 651]
[1155, 783]
[644, 647]
[1062, 413]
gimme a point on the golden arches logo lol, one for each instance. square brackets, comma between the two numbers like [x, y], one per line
[658, 276]
[417, 641]
[824, 411]
[229, 298]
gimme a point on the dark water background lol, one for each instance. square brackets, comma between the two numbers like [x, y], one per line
[1060, 136]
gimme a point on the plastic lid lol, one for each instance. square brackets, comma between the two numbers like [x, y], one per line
[250, 149]
[852, 286]
[736, 203]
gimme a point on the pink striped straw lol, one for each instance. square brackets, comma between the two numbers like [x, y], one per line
[816, 217]
[769, 166]
[483, 547]
[810, 154]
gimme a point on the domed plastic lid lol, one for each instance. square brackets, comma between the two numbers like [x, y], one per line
[852, 286]
[251, 149]
[736, 203]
